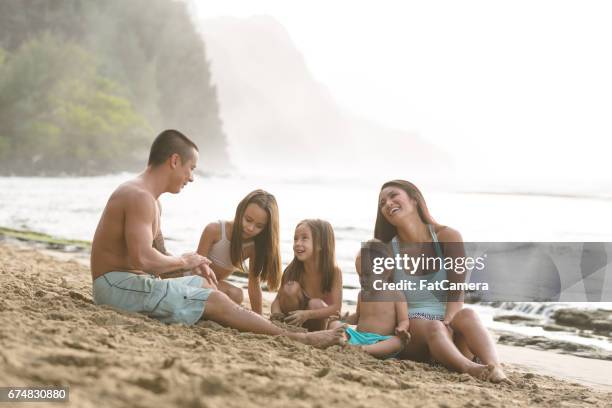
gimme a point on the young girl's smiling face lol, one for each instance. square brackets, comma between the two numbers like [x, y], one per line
[302, 242]
[254, 221]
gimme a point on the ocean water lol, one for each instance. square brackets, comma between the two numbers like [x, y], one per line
[70, 207]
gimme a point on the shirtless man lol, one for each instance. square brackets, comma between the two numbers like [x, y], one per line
[127, 255]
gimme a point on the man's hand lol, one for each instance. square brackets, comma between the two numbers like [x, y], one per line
[207, 273]
[192, 260]
[297, 317]
[402, 330]
[200, 265]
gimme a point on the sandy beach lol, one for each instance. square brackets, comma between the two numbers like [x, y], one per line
[53, 334]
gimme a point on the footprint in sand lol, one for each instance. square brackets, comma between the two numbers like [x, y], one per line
[76, 360]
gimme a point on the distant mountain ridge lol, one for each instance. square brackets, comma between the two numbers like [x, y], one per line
[275, 112]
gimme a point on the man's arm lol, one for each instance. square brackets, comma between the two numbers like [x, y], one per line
[159, 244]
[140, 216]
[209, 236]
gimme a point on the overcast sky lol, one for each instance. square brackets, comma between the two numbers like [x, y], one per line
[520, 88]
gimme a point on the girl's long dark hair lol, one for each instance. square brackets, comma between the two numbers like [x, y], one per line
[267, 262]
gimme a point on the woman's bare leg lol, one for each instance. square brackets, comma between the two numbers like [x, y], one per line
[461, 344]
[442, 348]
[477, 338]
[235, 293]
[416, 349]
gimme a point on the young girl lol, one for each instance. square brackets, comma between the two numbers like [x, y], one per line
[311, 290]
[252, 235]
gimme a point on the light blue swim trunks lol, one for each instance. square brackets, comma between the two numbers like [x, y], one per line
[364, 338]
[175, 300]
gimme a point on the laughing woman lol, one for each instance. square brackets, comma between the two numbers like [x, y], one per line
[440, 327]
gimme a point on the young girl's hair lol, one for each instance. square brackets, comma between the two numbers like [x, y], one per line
[324, 246]
[383, 229]
[267, 262]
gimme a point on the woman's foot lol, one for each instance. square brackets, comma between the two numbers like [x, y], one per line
[497, 375]
[479, 371]
[491, 372]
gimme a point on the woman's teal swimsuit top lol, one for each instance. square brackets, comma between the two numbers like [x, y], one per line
[423, 304]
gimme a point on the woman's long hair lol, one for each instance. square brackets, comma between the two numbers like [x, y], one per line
[267, 262]
[383, 229]
[324, 247]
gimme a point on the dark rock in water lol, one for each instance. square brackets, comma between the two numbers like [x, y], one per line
[556, 327]
[599, 320]
[564, 347]
[602, 326]
[571, 317]
[472, 298]
[514, 319]
[56, 246]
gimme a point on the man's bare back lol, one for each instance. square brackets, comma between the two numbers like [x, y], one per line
[109, 251]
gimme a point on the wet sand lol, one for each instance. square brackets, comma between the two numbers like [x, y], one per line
[52, 334]
[590, 372]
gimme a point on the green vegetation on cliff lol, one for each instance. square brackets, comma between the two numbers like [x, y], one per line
[86, 85]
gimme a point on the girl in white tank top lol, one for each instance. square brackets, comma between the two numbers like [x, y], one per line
[252, 235]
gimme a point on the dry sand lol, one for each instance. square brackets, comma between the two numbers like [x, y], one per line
[52, 334]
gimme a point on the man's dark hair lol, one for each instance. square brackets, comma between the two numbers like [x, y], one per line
[167, 143]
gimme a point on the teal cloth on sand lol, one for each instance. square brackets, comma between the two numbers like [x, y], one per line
[364, 338]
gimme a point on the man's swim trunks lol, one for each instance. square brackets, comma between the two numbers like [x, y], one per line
[176, 300]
